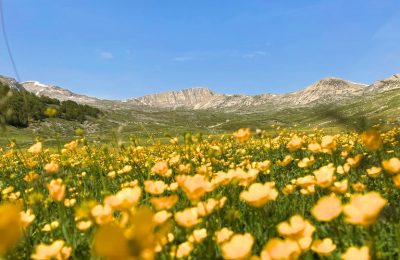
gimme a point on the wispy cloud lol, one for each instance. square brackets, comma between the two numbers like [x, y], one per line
[105, 55]
[182, 59]
[254, 54]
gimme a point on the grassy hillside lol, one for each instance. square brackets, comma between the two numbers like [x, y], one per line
[120, 125]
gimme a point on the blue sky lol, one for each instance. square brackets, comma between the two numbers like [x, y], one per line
[122, 49]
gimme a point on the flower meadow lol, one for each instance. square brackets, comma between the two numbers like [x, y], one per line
[247, 195]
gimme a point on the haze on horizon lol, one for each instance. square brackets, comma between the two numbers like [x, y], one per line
[133, 48]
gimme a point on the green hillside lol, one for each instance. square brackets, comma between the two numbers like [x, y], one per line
[120, 125]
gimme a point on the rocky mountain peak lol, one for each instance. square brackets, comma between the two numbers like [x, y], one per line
[394, 77]
[59, 93]
[392, 82]
[334, 84]
[189, 97]
[324, 91]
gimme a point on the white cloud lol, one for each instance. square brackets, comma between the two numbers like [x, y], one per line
[255, 54]
[105, 55]
[182, 59]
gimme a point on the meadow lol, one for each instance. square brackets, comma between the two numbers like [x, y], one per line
[250, 194]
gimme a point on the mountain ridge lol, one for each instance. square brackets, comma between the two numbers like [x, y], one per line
[326, 90]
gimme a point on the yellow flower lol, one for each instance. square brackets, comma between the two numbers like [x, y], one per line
[27, 218]
[10, 226]
[109, 242]
[194, 186]
[184, 249]
[174, 140]
[52, 226]
[289, 189]
[306, 162]
[278, 249]
[245, 178]
[359, 253]
[342, 169]
[374, 171]
[125, 169]
[187, 217]
[324, 176]
[396, 180]
[31, 176]
[57, 250]
[242, 135]
[371, 139]
[354, 162]
[392, 165]
[183, 168]
[155, 187]
[51, 167]
[364, 209]
[207, 207]
[259, 194]
[161, 216]
[102, 214]
[296, 228]
[264, 166]
[285, 162]
[305, 181]
[161, 203]
[314, 147]
[84, 225]
[223, 235]
[323, 247]
[161, 168]
[238, 247]
[340, 186]
[328, 143]
[198, 235]
[202, 170]
[50, 111]
[327, 208]
[36, 148]
[295, 143]
[173, 186]
[56, 189]
[71, 145]
[124, 199]
[69, 202]
[358, 186]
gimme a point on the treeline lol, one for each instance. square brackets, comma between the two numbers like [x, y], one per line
[19, 108]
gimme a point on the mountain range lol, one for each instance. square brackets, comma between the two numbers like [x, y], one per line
[325, 91]
[206, 111]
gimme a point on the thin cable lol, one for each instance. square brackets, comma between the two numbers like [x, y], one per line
[3, 27]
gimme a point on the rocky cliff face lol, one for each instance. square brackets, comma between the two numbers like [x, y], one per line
[325, 91]
[188, 98]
